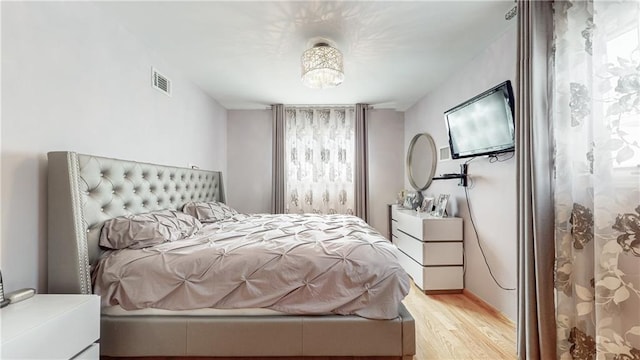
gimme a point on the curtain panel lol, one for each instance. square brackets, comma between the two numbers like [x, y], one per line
[596, 123]
[319, 160]
[362, 162]
[278, 143]
[536, 328]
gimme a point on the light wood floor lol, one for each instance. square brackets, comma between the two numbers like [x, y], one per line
[459, 327]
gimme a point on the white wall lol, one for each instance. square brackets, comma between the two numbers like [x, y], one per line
[386, 164]
[493, 190]
[249, 162]
[72, 79]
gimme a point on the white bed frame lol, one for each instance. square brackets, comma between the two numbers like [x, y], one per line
[85, 190]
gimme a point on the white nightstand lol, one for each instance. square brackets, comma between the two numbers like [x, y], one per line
[51, 327]
[431, 249]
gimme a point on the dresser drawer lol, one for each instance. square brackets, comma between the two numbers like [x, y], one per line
[412, 268]
[430, 253]
[50, 326]
[428, 228]
[90, 353]
[443, 278]
[442, 253]
[433, 278]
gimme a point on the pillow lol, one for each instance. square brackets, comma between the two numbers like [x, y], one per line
[208, 212]
[148, 229]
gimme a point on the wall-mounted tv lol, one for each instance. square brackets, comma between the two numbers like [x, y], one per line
[482, 125]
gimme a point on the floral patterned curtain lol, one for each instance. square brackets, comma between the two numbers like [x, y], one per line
[319, 164]
[596, 112]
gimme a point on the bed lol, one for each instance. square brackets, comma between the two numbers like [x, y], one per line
[85, 191]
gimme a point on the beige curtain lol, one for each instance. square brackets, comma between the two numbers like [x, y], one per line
[536, 329]
[278, 143]
[361, 163]
[596, 113]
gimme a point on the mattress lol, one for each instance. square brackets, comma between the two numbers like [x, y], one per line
[295, 264]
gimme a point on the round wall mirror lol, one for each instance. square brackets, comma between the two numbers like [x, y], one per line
[421, 161]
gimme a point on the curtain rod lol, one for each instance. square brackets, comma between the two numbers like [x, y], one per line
[320, 106]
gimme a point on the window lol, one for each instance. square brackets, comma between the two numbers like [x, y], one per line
[319, 160]
[622, 96]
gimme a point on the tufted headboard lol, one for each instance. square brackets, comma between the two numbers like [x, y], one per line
[84, 191]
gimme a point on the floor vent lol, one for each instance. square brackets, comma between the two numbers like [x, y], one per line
[160, 82]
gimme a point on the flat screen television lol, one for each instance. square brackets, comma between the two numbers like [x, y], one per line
[482, 125]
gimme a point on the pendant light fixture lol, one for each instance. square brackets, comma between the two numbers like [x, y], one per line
[322, 66]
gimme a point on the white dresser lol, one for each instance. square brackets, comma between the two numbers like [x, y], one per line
[51, 327]
[431, 249]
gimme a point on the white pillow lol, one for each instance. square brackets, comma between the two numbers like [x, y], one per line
[148, 229]
[208, 212]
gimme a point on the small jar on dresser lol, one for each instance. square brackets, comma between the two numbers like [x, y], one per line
[431, 249]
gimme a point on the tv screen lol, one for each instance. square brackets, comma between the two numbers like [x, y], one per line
[482, 125]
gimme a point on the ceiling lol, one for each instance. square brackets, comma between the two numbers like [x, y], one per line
[246, 55]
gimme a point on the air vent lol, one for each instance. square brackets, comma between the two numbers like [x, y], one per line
[445, 153]
[160, 82]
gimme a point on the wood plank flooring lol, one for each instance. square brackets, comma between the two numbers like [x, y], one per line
[459, 327]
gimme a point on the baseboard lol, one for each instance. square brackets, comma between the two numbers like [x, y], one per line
[442, 292]
[475, 298]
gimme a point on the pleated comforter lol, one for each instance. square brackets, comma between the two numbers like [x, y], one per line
[297, 264]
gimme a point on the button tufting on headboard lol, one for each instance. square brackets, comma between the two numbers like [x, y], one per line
[85, 191]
